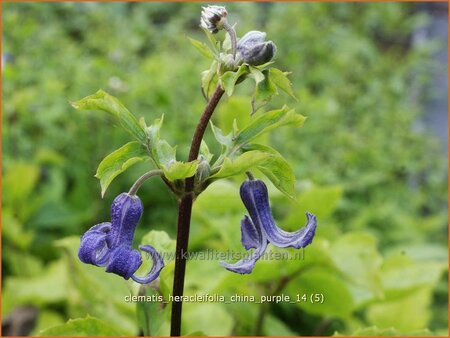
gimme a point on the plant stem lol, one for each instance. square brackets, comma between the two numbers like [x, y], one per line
[184, 216]
[232, 33]
[142, 179]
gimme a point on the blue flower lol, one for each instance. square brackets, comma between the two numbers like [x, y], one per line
[260, 229]
[110, 244]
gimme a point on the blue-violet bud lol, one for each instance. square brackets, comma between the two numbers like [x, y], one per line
[254, 50]
[109, 244]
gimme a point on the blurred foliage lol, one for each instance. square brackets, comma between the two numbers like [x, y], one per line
[375, 178]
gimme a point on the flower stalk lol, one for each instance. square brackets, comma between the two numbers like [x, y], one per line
[143, 178]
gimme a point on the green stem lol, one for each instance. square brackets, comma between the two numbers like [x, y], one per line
[143, 178]
[232, 33]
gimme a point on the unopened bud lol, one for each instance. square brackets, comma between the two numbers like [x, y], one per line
[254, 50]
[203, 170]
[213, 18]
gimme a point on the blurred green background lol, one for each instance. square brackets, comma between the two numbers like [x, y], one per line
[367, 164]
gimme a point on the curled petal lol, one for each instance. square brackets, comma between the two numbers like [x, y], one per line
[245, 266]
[124, 261]
[256, 199]
[158, 264]
[93, 248]
[252, 237]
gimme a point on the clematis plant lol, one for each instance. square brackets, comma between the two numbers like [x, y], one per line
[232, 61]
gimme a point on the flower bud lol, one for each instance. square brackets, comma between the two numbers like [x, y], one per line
[203, 170]
[227, 62]
[254, 50]
[213, 18]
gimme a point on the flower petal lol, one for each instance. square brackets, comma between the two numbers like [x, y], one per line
[124, 262]
[245, 266]
[93, 248]
[126, 211]
[158, 264]
[250, 237]
[256, 199]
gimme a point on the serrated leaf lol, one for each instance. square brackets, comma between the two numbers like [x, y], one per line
[118, 161]
[229, 79]
[281, 81]
[105, 102]
[256, 74]
[267, 122]
[241, 164]
[225, 140]
[264, 91]
[210, 79]
[202, 48]
[180, 170]
[277, 170]
[205, 152]
[215, 45]
[82, 327]
[165, 154]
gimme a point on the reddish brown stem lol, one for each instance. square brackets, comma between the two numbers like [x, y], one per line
[184, 216]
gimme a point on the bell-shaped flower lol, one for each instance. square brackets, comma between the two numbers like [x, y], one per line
[260, 229]
[213, 18]
[254, 49]
[109, 244]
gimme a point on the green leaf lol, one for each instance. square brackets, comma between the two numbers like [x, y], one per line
[210, 79]
[375, 331]
[103, 101]
[216, 321]
[411, 312]
[224, 140]
[150, 313]
[337, 300]
[281, 81]
[215, 45]
[267, 122]
[92, 290]
[82, 327]
[153, 135]
[118, 161]
[264, 91]
[229, 79]
[202, 48]
[277, 170]
[160, 240]
[180, 170]
[205, 152]
[165, 154]
[356, 255]
[270, 163]
[256, 74]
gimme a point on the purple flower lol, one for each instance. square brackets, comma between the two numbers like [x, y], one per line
[110, 243]
[260, 229]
